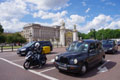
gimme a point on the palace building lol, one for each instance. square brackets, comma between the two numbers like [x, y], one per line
[37, 32]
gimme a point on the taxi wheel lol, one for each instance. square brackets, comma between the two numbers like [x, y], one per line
[102, 60]
[61, 71]
[83, 69]
[19, 55]
[114, 51]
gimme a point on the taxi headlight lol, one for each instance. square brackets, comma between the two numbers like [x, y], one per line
[56, 58]
[110, 48]
[23, 49]
[75, 61]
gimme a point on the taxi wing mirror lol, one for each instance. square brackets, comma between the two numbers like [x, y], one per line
[91, 50]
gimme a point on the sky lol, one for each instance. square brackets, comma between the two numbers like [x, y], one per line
[86, 14]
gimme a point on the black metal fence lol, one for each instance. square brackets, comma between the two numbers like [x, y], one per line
[8, 48]
[12, 47]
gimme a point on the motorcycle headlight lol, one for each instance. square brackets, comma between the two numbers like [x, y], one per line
[23, 49]
[56, 58]
[75, 61]
[27, 57]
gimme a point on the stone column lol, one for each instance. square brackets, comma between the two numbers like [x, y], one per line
[62, 34]
[75, 34]
[31, 35]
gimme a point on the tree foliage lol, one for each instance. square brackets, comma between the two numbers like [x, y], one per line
[12, 38]
[101, 34]
[1, 29]
[15, 38]
[2, 38]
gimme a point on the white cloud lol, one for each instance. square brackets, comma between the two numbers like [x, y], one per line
[84, 3]
[14, 10]
[49, 15]
[110, 3]
[76, 19]
[103, 0]
[11, 11]
[99, 22]
[58, 17]
[87, 10]
[49, 4]
[13, 25]
[71, 21]
[114, 25]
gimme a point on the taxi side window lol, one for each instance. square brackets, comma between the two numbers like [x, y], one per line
[92, 48]
[98, 47]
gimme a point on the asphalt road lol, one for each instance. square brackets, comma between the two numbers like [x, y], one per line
[11, 68]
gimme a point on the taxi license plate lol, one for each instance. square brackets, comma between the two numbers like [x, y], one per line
[63, 68]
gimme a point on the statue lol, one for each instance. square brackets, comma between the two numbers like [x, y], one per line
[63, 23]
[75, 27]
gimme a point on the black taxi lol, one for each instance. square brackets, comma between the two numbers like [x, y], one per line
[80, 56]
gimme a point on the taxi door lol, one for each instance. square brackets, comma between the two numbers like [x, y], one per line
[92, 57]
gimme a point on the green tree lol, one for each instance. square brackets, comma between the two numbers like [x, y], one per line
[83, 35]
[2, 38]
[101, 34]
[15, 38]
[1, 29]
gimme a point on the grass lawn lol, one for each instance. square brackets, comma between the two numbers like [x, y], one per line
[10, 47]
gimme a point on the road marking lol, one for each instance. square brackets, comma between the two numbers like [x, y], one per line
[47, 70]
[43, 75]
[18, 60]
[53, 54]
[32, 71]
[103, 65]
[103, 69]
[51, 61]
[8, 55]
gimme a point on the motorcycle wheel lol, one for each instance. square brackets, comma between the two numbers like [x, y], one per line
[44, 62]
[26, 65]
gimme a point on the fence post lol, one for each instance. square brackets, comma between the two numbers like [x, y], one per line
[57, 44]
[12, 47]
[1, 48]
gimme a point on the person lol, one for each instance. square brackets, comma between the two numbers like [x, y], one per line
[38, 49]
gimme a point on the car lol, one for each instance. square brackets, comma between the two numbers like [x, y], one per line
[109, 46]
[24, 50]
[80, 56]
[118, 43]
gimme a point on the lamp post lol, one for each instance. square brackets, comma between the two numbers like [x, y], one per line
[94, 33]
[30, 37]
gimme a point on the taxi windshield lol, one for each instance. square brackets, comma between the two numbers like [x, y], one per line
[107, 42]
[29, 44]
[78, 47]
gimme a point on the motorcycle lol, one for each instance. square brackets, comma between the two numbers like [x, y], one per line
[32, 60]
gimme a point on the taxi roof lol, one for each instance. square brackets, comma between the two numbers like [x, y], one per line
[87, 41]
